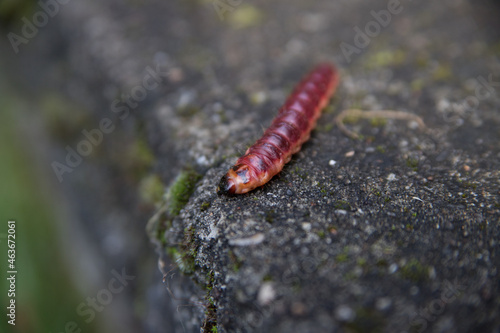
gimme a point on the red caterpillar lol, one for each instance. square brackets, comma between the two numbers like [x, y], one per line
[288, 131]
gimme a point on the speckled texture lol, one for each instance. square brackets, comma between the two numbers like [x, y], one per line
[400, 232]
[397, 232]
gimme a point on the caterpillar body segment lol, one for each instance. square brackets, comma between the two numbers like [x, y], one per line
[288, 131]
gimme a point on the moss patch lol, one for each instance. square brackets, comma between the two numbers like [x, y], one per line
[210, 322]
[386, 58]
[185, 253]
[181, 190]
[367, 320]
[414, 271]
[245, 16]
[343, 205]
[204, 206]
[151, 189]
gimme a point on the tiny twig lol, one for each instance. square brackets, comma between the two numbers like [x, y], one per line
[386, 114]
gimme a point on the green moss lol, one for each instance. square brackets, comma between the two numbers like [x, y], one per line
[342, 257]
[12, 11]
[235, 262]
[322, 189]
[185, 253]
[157, 224]
[350, 276]
[181, 190]
[257, 98]
[270, 216]
[151, 189]
[414, 271]
[417, 85]
[300, 172]
[188, 111]
[442, 72]
[382, 263]
[380, 149]
[210, 322]
[223, 117]
[321, 234]
[386, 58]
[204, 206]
[351, 119]
[362, 262]
[325, 128]
[138, 158]
[344, 205]
[296, 286]
[422, 60]
[245, 16]
[367, 320]
[210, 280]
[378, 122]
[469, 184]
[412, 163]
[417, 326]
[267, 278]
[184, 261]
[330, 108]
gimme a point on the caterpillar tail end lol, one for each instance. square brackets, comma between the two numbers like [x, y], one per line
[226, 186]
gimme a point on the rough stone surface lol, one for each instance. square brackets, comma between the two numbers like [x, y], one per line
[397, 232]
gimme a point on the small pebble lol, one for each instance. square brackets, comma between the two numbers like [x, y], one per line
[349, 153]
[344, 313]
[383, 303]
[393, 268]
[253, 240]
[298, 308]
[391, 177]
[175, 74]
[266, 293]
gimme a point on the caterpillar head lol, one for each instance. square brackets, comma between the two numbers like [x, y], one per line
[235, 180]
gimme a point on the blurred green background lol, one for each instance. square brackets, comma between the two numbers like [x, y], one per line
[46, 295]
[47, 290]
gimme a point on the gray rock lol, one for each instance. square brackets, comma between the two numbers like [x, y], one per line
[396, 232]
